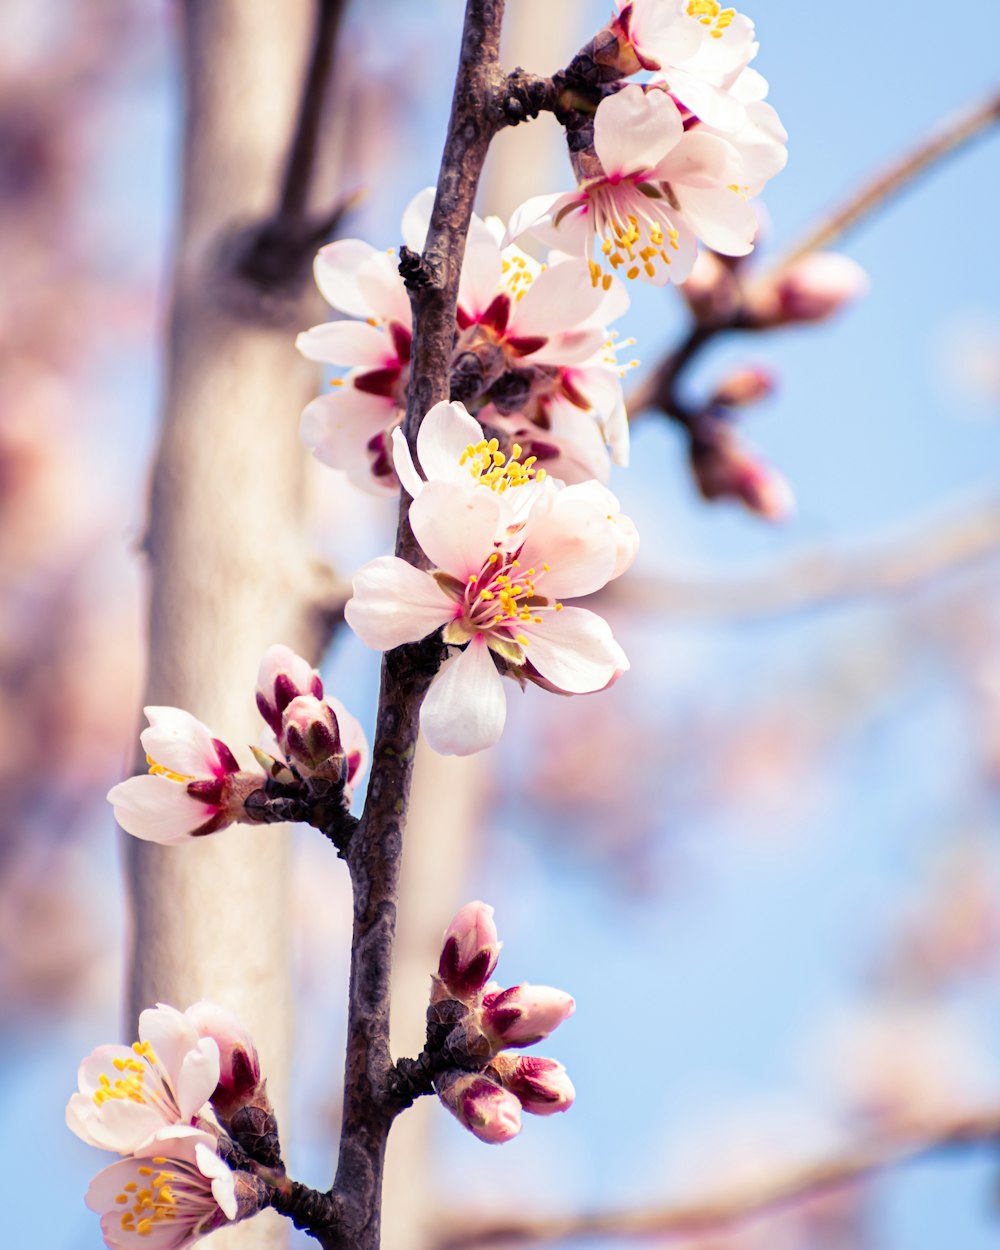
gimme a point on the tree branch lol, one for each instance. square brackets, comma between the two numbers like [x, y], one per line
[375, 851]
[717, 1214]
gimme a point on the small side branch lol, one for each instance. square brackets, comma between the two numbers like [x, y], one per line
[718, 1214]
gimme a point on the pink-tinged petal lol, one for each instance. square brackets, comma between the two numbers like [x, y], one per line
[335, 270]
[156, 809]
[570, 535]
[715, 107]
[347, 344]
[723, 60]
[560, 298]
[395, 603]
[180, 742]
[339, 427]
[603, 389]
[188, 1059]
[661, 30]
[574, 650]
[465, 708]
[532, 213]
[635, 129]
[445, 433]
[701, 160]
[750, 86]
[197, 1077]
[571, 347]
[383, 289]
[416, 219]
[353, 739]
[406, 470]
[220, 1176]
[722, 219]
[615, 302]
[455, 526]
[761, 144]
[481, 274]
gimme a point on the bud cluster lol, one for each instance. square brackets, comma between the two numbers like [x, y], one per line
[489, 1102]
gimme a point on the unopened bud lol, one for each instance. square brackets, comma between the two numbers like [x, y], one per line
[811, 289]
[711, 290]
[484, 1107]
[524, 1014]
[283, 676]
[470, 951]
[743, 387]
[541, 1085]
[310, 738]
[239, 1066]
[725, 468]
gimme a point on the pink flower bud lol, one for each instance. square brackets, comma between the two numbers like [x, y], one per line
[541, 1085]
[470, 951]
[744, 386]
[487, 1110]
[282, 676]
[725, 468]
[524, 1014]
[239, 1066]
[810, 289]
[310, 738]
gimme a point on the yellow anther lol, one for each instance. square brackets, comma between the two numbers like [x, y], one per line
[158, 770]
[121, 1199]
[606, 282]
[559, 607]
[633, 272]
[650, 271]
[488, 595]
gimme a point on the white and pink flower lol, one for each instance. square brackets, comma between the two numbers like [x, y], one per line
[496, 590]
[174, 1190]
[128, 1093]
[194, 785]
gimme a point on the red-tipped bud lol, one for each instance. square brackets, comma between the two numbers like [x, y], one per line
[283, 676]
[470, 951]
[524, 1014]
[541, 1085]
[485, 1108]
[310, 738]
[725, 468]
[811, 289]
[712, 290]
[239, 1066]
[743, 387]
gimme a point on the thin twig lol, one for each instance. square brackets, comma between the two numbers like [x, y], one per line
[716, 1214]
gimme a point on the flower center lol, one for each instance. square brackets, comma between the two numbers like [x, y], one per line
[161, 1195]
[490, 467]
[158, 770]
[501, 597]
[130, 1084]
[635, 240]
[711, 13]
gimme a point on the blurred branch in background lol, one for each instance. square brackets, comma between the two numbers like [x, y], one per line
[720, 1213]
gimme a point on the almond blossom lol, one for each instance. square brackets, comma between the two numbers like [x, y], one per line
[128, 1093]
[174, 1190]
[194, 785]
[495, 590]
[649, 189]
[532, 350]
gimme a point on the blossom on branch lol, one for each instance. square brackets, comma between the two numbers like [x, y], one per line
[128, 1093]
[194, 785]
[495, 592]
[174, 1190]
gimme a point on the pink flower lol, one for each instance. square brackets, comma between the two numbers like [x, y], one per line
[470, 951]
[495, 590]
[541, 1085]
[194, 785]
[281, 677]
[485, 1108]
[173, 1191]
[128, 1093]
[524, 1014]
[239, 1065]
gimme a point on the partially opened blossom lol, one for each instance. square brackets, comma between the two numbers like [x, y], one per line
[281, 677]
[194, 785]
[174, 1190]
[128, 1093]
[483, 1106]
[496, 590]
[649, 189]
[239, 1065]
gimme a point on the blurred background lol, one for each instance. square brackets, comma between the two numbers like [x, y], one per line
[767, 862]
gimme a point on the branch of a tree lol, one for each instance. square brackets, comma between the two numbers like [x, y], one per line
[716, 1214]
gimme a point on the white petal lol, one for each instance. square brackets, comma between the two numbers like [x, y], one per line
[480, 277]
[416, 219]
[634, 130]
[529, 214]
[571, 535]
[456, 527]
[444, 434]
[465, 708]
[335, 270]
[575, 650]
[180, 742]
[197, 1077]
[406, 470]
[559, 299]
[157, 810]
[395, 603]
[383, 289]
[712, 104]
[338, 428]
[347, 344]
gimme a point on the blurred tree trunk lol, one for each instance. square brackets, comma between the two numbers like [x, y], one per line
[228, 567]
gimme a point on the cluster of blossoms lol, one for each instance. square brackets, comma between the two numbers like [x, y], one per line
[195, 785]
[489, 1102]
[532, 355]
[164, 1104]
[506, 544]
